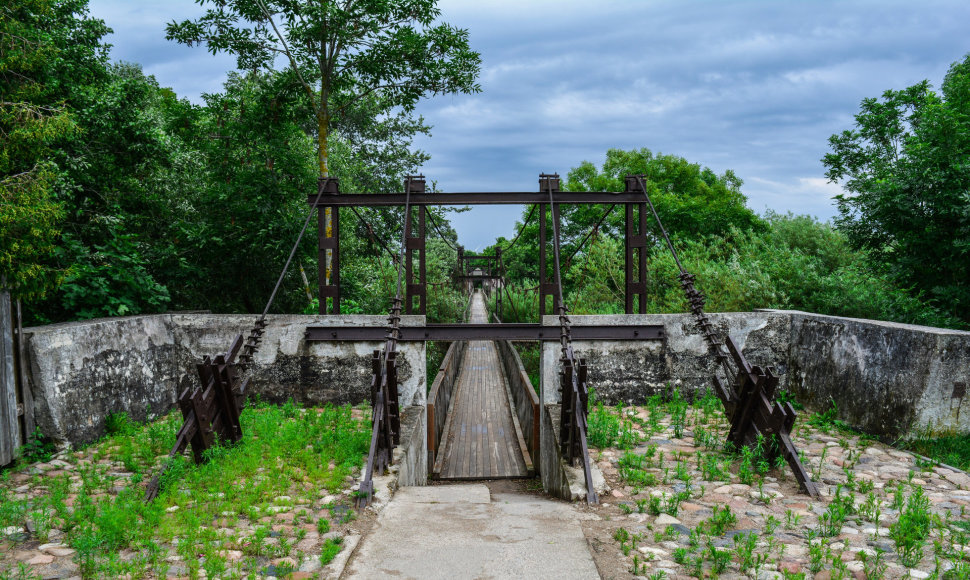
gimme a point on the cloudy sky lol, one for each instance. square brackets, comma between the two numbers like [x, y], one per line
[756, 87]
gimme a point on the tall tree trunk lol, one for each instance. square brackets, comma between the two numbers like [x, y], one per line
[323, 142]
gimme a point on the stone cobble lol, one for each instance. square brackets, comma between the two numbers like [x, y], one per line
[250, 538]
[790, 533]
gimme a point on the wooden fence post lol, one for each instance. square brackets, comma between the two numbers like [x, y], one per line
[9, 421]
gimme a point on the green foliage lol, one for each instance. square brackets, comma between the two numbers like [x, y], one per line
[952, 450]
[322, 446]
[913, 528]
[32, 119]
[719, 522]
[38, 448]
[331, 547]
[904, 168]
[742, 262]
[607, 427]
[119, 424]
[690, 199]
[385, 55]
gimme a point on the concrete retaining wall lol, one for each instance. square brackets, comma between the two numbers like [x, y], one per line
[887, 379]
[891, 380]
[411, 456]
[82, 371]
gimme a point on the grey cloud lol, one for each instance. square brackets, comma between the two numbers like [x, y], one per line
[756, 87]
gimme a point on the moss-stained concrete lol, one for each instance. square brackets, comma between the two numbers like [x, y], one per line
[886, 379]
[81, 372]
[891, 380]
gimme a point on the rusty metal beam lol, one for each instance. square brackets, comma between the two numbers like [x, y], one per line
[478, 198]
[449, 332]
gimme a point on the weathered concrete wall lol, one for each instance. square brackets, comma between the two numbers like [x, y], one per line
[632, 371]
[411, 456]
[82, 371]
[886, 379]
[287, 366]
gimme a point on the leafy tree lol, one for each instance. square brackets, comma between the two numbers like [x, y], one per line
[256, 165]
[31, 119]
[375, 55]
[692, 201]
[116, 212]
[905, 167]
[341, 52]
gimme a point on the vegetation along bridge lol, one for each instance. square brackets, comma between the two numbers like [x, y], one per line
[483, 415]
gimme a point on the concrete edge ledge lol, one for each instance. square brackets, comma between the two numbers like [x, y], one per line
[411, 456]
[558, 479]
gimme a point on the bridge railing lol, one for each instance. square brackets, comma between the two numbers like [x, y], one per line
[524, 397]
[440, 399]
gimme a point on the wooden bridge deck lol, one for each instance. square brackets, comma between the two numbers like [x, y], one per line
[482, 438]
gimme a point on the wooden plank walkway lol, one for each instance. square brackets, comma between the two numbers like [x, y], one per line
[481, 439]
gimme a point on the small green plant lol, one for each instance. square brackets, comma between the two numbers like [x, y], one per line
[331, 547]
[771, 524]
[38, 448]
[745, 554]
[628, 541]
[912, 528]
[873, 566]
[840, 508]
[899, 496]
[827, 420]
[641, 505]
[763, 497]
[323, 526]
[119, 424]
[680, 471]
[719, 558]
[668, 535]
[821, 462]
[678, 413]
[745, 468]
[665, 504]
[710, 467]
[792, 520]
[638, 567]
[719, 522]
[818, 553]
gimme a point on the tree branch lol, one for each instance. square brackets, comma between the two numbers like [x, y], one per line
[288, 53]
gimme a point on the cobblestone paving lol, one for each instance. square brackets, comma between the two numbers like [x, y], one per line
[793, 537]
[279, 538]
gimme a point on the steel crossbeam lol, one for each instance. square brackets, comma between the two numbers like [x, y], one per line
[506, 331]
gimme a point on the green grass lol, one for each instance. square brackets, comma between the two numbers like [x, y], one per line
[288, 458]
[952, 450]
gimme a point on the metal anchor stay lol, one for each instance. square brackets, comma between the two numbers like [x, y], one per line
[747, 392]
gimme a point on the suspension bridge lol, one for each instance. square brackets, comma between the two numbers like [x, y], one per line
[477, 430]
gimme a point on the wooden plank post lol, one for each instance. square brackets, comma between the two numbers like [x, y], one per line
[9, 422]
[26, 400]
